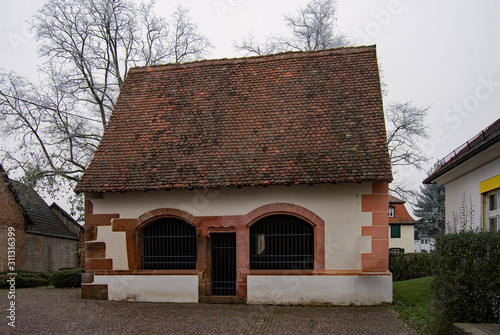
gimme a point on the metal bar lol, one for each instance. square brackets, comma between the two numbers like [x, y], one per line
[169, 243]
[289, 243]
[224, 264]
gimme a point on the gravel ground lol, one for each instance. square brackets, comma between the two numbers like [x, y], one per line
[63, 311]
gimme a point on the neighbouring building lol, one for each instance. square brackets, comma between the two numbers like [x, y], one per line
[257, 180]
[425, 243]
[73, 226]
[401, 227]
[39, 238]
[471, 176]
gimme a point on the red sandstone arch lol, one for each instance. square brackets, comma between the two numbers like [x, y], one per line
[302, 213]
[160, 213]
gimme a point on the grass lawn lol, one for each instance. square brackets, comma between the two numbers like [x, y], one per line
[412, 300]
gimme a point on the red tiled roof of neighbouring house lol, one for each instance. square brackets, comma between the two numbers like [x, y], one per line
[291, 118]
[401, 215]
[394, 200]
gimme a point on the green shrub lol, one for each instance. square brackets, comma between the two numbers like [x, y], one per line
[45, 275]
[466, 282]
[25, 279]
[67, 278]
[410, 266]
[31, 281]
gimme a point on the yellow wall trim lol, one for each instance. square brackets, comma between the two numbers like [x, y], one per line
[490, 184]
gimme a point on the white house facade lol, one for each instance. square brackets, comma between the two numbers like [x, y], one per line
[401, 227]
[472, 183]
[349, 247]
[425, 243]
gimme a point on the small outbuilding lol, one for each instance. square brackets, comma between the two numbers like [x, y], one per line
[257, 180]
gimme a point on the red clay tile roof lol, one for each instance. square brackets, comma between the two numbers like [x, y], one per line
[394, 200]
[401, 215]
[291, 118]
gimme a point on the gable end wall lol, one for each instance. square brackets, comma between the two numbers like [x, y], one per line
[11, 216]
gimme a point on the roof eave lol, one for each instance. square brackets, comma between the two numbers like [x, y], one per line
[79, 190]
[446, 168]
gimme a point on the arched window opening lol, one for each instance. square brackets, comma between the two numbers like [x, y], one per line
[281, 242]
[169, 244]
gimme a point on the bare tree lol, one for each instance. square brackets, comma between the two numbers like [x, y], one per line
[97, 41]
[187, 43]
[87, 47]
[52, 141]
[312, 28]
[405, 129]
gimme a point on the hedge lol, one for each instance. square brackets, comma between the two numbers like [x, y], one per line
[466, 282]
[25, 279]
[410, 266]
[67, 278]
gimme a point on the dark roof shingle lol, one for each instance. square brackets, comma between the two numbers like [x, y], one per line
[42, 220]
[292, 118]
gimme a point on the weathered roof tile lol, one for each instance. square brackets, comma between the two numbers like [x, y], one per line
[291, 118]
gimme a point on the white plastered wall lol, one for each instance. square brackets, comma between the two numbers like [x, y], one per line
[338, 290]
[150, 288]
[116, 246]
[465, 192]
[406, 241]
[338, 205]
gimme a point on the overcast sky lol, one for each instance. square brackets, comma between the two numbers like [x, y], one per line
[442, 54]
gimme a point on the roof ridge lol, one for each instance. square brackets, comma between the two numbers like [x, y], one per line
[395, 199]
[54, 204]
[257, 58]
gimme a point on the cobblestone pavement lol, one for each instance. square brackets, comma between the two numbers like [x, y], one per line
[63, 311]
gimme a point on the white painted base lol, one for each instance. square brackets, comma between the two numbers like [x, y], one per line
[151, 288]
[337, 290]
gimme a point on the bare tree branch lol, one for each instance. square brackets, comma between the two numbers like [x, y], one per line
[88, 46]
[405, 130]
[187, 44]
[312, 28]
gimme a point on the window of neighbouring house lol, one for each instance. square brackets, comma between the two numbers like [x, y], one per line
[391, 211]
[493, 224]
[492, 210]
[169, 244]
[395, 231]
[281, 242]
[493, 201]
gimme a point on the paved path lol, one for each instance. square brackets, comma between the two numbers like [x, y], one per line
[63, 311]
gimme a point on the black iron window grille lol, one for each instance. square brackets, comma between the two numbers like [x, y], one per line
[281, 242]
[169, 244]
[224, 264]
